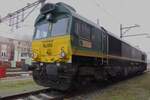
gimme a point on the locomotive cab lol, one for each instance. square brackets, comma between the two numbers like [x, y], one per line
[51, 46]
[51, 41]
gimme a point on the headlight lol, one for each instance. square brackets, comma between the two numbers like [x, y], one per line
[62, 54]
[34, 55]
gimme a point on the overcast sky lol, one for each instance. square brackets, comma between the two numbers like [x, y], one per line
[111, 14]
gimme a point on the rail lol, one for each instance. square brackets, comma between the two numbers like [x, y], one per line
[43, 94]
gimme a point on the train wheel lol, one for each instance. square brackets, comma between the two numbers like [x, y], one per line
[41, 78]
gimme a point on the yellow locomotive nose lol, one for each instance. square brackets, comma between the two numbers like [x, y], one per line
[51, 50]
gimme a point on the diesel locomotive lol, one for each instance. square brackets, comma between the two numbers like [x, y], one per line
[69, 49]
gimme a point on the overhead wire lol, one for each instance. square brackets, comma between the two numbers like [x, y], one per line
[101, 5]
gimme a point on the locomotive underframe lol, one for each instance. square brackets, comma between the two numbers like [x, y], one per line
[63, 76]
[54, 75]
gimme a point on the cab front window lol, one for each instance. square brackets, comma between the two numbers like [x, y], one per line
[60, 27]
[42, 31]
[49, 29]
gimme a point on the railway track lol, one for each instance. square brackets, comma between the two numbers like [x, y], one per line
[49, 94]
[44, 94]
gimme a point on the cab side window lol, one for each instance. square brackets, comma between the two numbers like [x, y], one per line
[82, 29]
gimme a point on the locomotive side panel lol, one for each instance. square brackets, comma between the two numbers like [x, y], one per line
[114, 46]
[84, 42]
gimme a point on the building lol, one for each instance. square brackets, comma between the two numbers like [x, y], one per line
[14, 50]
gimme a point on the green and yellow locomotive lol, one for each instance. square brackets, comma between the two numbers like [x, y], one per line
[68, 49]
